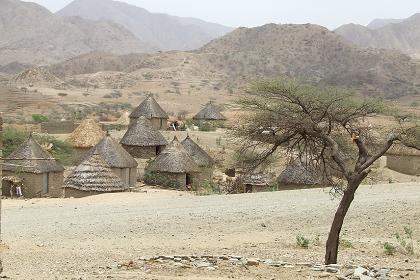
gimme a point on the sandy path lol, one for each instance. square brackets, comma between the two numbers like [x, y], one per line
[73, 239]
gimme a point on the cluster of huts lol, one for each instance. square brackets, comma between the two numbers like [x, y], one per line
[106, 165]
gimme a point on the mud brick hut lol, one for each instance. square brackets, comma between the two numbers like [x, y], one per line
[201, 158]
[42, 175]
[151, 110]
[404, 160]
[93, 176]
[120, 161]
[210, 113]
[175, 163]
[142, 140]
[87, 135]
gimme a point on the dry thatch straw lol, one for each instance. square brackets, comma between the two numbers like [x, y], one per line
[257, 179]
[94, 174]
[124, 119]
[149, 108]
[86, 135]
[300, 173]
[200, 156]
[210, 112]
[112, 152]
[174, 159]
[31, 158]
[400, 150]
[143, 134]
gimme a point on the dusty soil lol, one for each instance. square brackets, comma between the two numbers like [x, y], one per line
[89, 238]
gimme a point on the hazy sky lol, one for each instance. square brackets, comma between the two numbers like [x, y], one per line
[329, 13]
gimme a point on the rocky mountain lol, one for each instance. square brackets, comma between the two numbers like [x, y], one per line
[163, 31]
[30, 34]
[379, 23]
[400, 35]
[308, 52]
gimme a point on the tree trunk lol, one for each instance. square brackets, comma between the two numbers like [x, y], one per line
[334, 235]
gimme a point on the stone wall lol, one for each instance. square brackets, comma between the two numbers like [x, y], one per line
[143, 152]
[409, 165]
[64, 127]
[123, 174]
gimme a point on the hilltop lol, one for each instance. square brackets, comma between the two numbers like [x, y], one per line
[403, 35]
[33, 35]
[164, 32]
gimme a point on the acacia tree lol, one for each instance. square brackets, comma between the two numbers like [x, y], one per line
[326, 128]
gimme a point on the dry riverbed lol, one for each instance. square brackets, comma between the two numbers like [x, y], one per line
[250, 236]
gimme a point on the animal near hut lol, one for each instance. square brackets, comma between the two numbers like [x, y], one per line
[41, 174]
[142, 140]
[151, 110]
[175, 163]
[93, 176]
[120, 161]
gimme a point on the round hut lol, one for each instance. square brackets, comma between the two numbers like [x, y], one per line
[120, 161]
[93, 176]
[200, 157]
[142, 140]
[175, 163]
[85, 137]
[299, 173]
[42, 175]
[151, 110]
[210, 113]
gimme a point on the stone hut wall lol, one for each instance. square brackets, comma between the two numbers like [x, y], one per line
[409, 164]
[159, 124]
[123, 173]
[58, 127]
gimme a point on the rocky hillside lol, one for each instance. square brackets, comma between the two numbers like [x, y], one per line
[314, 54]
[30, 34]
[307, 52]
[403, 35]
[163, 31]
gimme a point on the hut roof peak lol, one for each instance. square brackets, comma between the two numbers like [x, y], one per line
[198, 154]
[86, 135]
[143, 134]
[33, 159]
[210, 112]
[149, 108]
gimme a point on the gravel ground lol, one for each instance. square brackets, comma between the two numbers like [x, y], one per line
[90, 238]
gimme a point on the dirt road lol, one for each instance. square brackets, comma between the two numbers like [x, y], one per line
[88, 238]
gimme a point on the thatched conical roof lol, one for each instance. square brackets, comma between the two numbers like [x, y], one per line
[300, 173]
[174, 159]
[143, 134]
[149, 108]
[94, 174]
[200, 156]
[210, 112]
[32, 158]
[86, 135]
[124, 119]
[112, 152]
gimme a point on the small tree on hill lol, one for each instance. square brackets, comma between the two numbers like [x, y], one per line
[326, 128]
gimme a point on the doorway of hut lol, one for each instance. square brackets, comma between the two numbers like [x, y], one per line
[188, 180]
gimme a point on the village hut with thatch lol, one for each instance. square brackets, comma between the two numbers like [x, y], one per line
[41, 174]
[87, 135]
[142, 140]
[201, 158]
[298, 173]
[210, 112]
[120, 161]
[175, 163]
[151, 110]
[93, 176]
[403, 160]
[256, 182]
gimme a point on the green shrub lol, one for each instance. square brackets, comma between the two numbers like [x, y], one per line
[302, 242]
[406, 240]
[39, 118]
[389, 249]
[207, 188]
[344, 243]
[155, 179]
